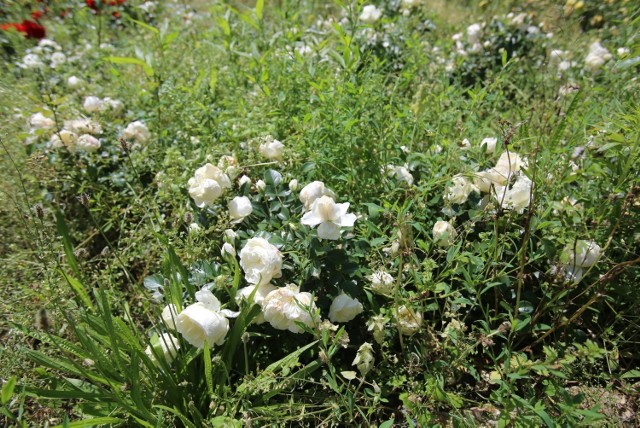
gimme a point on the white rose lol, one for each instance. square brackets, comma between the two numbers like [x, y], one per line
[400, 173]
[137, 131]
[474, 33]
[207, 185]
[260, 261]
[597, 56]
[74, 82]
[370, 14]
[57, 59]
[40, 121]
[329, 216]
[203, 322]
[578, 257]
[518, 197]
[93, 104]
[313, 191]
[460, 191]
[229, 165]
[285, 307]
[408, 321]
[165, 346]
[169, 315]
[344, 308]
[443, 233]
[239, 208]
[194, 228]
[263, 290]
[381, 282]
[244, 180]
[68, 139]
[230, 235]
[271, 149]
[364, 358]
[83, 126]
[490, 144]
[261, 185]
[116, 106]
[508, 164]
[88, 143]
[31, 61]
[293, 185]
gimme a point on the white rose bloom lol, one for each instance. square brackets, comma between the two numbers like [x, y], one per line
[239, 208]
[31, 61]
[68, 139]
[400, 173]
[227, 249]
[166, 347]
[364, 358]
[518, 197]
[57, 59]
[597, 56]
[204, 322]
[207, 185]
[293, 185]
[261, 185]
[344, 308]
[229, 165]
[622, 52]
[313, 191]
[260, 261]
[377, 325]
[411, 3]
[83, 126]
[74, 82]
[263, 290]
[474, 33]
[55, 142]
[508, 164]
[460, 191]
[40, 121]
[578, 257]
[116, 106]
[88, 143]
[283, 307]
[465, 144]
[244, 180]
[382, 282]
[443, 233]
[408, 321]
[93, 104]
[271, 149]
[329, 216]
[194, 228]
[137, 131]
[169, 315]
[490, 143]
[370, 14]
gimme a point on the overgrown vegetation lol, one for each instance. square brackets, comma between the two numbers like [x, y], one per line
[404, 213]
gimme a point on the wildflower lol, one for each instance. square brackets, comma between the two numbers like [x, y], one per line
[364, 358]
[377, 325]
[474, 33]
[165, 346]
[329, 216]
[260, 261]
[239, 208]
[284, 307]
[207, 185]
[344, 308]
[57, 59]
[370, 14]
[93, 104]
[443, 233]
[204, 321]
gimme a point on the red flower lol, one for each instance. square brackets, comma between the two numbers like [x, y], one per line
[30, 29]
[37, 14]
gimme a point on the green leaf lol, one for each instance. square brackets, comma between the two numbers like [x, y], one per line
[79, 289]
[208, 372]
[387, 424]
[63, 231]
[146, 26]
[7, 390]
[259, 7]
[134, 61]
[631, 374]
[92, 422]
